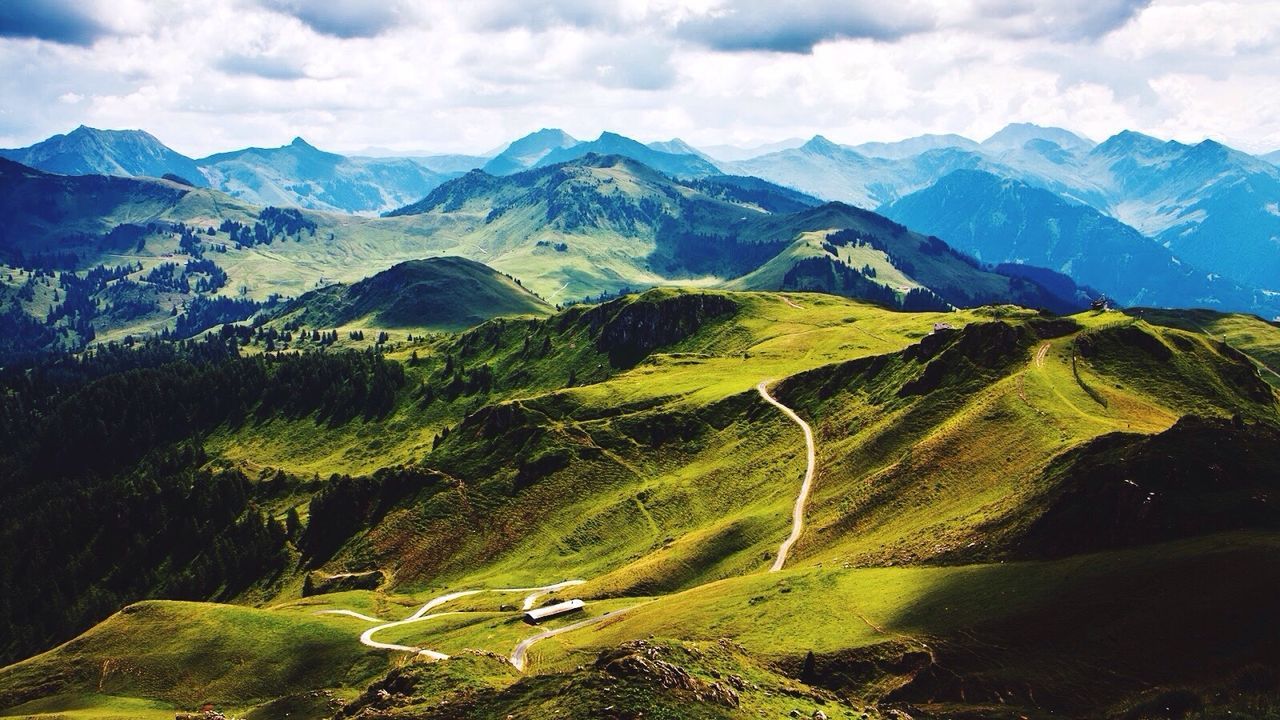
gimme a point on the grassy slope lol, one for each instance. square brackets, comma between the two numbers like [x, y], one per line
[1072, 632]
[182, 654]
[677, 474]
[448, 293]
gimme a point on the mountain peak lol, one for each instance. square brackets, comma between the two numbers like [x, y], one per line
[1015, 135]
[820, 144]
[1129, 141]
[298, 142]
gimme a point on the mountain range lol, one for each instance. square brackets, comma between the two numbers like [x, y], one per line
[575, 219]
[1001, 220]
[1212, 206]
[89, 151]
[605, 430]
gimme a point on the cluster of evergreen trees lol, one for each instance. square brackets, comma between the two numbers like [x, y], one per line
[273, 223]
[102, 479]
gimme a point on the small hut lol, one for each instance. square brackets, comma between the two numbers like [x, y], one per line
[537, 615]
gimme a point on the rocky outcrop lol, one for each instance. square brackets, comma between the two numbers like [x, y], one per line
[643, 661]
[318, 583]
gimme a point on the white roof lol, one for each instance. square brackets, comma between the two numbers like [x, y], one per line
[553, 610]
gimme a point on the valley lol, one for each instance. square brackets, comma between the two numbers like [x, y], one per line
[649, 464]
[972, 457]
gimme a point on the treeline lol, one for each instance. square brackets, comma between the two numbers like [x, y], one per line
[165, 529]
[273, 223]
[203, 313]
[102, 483]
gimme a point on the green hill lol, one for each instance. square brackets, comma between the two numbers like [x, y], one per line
[847, 251]
[163, 257]
[972, 543]
[447, 293]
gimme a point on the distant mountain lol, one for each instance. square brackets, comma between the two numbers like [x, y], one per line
[1273, 158]
[299, 175]
[734, 153]
[1017, 135]
[1213, 206]
[450, 164]
[676, 146]
[528, 150]
[611, 216]
[837, 172]
[608, 220]
[677, 164]
[89, 151]
[915, 145]
[999, 220]
[43, 213]
[445, 293]
[848, 251]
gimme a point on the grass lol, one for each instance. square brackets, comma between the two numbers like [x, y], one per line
[1055, 627]
[184, 654]
[671, 478]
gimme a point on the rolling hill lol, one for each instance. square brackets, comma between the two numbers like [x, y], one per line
[89, 151]
[445, 293]
[1008, 515]
[168, 257]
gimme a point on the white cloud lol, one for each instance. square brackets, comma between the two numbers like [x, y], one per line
[209, 75]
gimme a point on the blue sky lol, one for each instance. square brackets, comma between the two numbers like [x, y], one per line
[209, 75]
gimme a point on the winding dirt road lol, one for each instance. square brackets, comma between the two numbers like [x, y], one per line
[424, 613]
[519, 655]
[797, 512]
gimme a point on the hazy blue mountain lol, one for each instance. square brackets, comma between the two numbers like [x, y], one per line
[89, 151]
[1215, 207]
[677, 164]
[676, 146]
[837, 172]
[1273, 158]
[300, 175]
[734, 153]
[1016, 135]
[528, 150]
[915, 145]
[999, 220]
[601, 209]
[450, 164]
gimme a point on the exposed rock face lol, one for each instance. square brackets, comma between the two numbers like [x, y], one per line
[641, 660]
[318, 583]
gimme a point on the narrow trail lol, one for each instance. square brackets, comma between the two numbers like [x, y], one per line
[519, 654]
[797, 512]
[791, 302]
[424, 613]
[521, 651]
[1041, 354]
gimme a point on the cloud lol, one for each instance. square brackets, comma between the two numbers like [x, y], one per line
[342, 18]
[797, 27]
[632, 64]
[60, 21]
[263, 66]
[1059, 20]
[539, 16]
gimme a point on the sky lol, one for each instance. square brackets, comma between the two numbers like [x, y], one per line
[436, 76]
